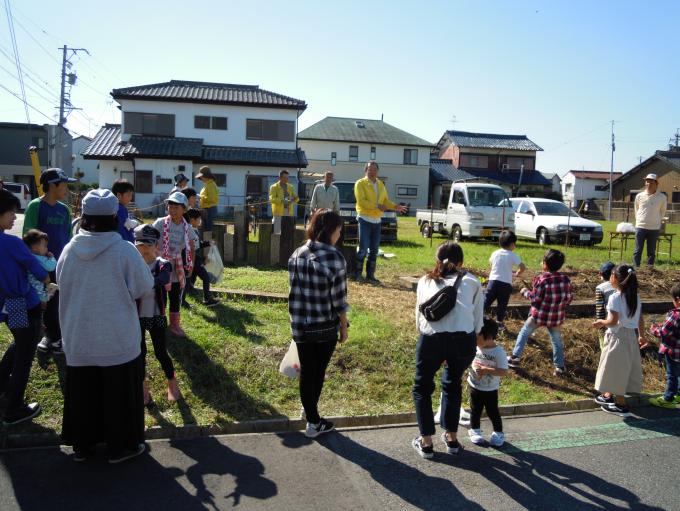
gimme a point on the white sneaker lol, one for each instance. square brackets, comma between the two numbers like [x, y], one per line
[44, 345]
[314, 430]
[497, 439]
[464, 419]
[476, 436]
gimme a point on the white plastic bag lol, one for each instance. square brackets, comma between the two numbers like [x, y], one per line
[625, 227]
[213, 264]
[290, 365]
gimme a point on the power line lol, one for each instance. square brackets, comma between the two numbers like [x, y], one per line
[4, 51]
[8, 11]
[28, 86]
[17, 60]
[26, 103]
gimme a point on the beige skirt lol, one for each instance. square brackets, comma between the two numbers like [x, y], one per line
[620, 368]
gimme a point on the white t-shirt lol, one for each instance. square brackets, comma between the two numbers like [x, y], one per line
[617, 303]
[502, 261]
[488, 357]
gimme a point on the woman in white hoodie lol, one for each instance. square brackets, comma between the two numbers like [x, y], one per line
[100, 276]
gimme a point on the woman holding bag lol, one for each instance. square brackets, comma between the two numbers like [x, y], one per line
[446, 335]
[317, 304]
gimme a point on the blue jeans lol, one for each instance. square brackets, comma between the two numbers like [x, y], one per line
[369, 243]
[650, 236]
[457, 349]
[555, 337]
[500, 291]
[210, 214]
[672, 375]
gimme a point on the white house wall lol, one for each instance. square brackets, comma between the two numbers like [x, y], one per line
[235, 135]
[583, 189]
[394, 154]
[80, 164]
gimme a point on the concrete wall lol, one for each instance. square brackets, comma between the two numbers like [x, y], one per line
[80, 164]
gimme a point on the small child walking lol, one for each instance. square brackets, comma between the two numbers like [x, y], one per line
[484, 379]
[151, 308]
[36, 241]
[193, 216]
[602, 293]
[669, 334]
[620, 369]
[178, 244]
[550, 296]
[502, 263]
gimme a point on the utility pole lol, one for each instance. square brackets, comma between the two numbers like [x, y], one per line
[65, 106]
[611, 174]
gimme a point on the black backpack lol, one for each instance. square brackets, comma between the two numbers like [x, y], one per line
[442, 302]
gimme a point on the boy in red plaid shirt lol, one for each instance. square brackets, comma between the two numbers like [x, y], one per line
[550, 295]
[669, 334]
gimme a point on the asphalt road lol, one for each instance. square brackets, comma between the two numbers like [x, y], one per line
[587, 460]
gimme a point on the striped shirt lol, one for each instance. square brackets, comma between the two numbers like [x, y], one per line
[550, 297]
[318, 286]
[602, 293]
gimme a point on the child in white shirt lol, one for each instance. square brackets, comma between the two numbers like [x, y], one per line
[499, 287]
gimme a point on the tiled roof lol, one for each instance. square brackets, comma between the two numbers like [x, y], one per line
[674, 163]
[444, 171]
[511, 177]
[255, 156]
[551, 175]
[369, 131]
[207, 92]
[593, 174]
[492, 141]
[107, 145]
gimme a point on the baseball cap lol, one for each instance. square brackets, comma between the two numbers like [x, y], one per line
[55, 175]
[651, 177]
[100, 202]
[606, 267]
[178, 198]
[146, 234]
[180, 177]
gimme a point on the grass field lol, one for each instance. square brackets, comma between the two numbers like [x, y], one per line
[228, 367]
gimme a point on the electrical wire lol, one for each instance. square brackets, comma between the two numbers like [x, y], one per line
[17, 59]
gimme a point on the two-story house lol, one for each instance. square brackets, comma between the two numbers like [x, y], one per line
[506, 160]
[345, 144]
[585, 185]
[245, 134]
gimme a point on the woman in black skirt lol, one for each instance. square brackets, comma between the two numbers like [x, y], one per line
[100, 276]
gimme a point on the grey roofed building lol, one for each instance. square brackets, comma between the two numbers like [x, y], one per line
[351, 129]
[107, 145]
[444, 171]
[489, 141]
[181, 91]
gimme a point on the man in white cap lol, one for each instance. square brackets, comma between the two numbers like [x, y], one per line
[650, 208]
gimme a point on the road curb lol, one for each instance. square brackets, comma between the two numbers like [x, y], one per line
[285, 424]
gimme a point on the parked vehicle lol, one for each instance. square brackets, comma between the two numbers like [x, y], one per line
[551, 221]
[474, 210]
[21, 192]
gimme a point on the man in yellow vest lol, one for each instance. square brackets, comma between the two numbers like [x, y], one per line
[283, 199]
[372, 201]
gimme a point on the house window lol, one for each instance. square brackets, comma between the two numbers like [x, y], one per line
[372, 153]
[410, 156]
[39, 142]
[149, 124]
[515, 162]
[334, 158]
[407, 191]
[601, 188]
[263, 129]
[354, 153]
[202, 122]
[220, 180]
[143, 181]
[219, 123]
[675, 197]
[568, 187]
[458, 197]
[474, 161]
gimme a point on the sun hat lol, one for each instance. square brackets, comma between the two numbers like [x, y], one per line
[100, 202]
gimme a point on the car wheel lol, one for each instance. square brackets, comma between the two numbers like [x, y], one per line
[543, 236]
[456, 234]
[426, 230]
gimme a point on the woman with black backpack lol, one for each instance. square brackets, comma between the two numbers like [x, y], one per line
[449, 314]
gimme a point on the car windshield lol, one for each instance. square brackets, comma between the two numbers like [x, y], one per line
[553, 209]
[483, 196]
[346, 192]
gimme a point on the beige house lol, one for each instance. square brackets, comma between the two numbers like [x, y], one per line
[343, 145]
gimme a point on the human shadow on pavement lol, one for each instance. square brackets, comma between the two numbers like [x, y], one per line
[212, 457]
[408, 483]
[538, 482]
[657, 420]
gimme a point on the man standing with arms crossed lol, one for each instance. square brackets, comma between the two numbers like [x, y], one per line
[325, 195]
[372, 201]
[283, 198]
[650, 208]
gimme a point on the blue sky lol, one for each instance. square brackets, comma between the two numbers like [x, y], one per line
[558, 72]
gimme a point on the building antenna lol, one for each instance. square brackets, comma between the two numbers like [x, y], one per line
[611, 173]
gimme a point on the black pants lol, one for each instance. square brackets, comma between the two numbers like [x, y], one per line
[202, 273]
[458, 350]
[480, 400]
[15, 366]
[175, 297]
[159, 349]
[500, 291]
[314, 359]
[51, 316]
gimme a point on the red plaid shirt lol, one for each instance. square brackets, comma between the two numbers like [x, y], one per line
[550, 296]
[669, 333]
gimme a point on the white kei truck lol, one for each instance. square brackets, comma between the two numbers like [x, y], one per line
[474, 210]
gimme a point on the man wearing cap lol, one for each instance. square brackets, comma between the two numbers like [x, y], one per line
[283, 198]
[650, 208]
[52, 216]
[209, 197]
[181, 182]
